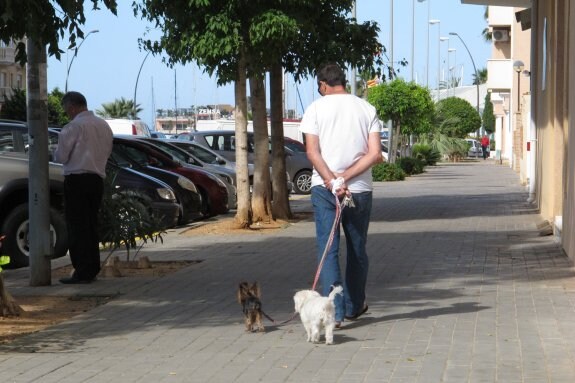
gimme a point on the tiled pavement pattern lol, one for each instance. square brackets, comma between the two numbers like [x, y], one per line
[461, 289]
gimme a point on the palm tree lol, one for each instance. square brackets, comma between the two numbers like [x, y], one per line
[480, 77]
[487, 35]
[120, 108]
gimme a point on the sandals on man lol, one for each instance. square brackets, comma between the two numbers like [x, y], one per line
[360, 313]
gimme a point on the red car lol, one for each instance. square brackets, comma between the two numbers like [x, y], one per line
[213, 191]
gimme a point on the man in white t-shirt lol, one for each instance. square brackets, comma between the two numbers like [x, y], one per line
[342, 134]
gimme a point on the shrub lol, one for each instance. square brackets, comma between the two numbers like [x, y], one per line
[125, 219]
[387, 172]
[426, 154]
[411, 165]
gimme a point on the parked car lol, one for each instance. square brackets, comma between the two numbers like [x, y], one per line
[222, 142]
[474, 148]
[212, 189]
[130, 127]
[187, 195]
[14, 220]
[156, 194]
[156, 134]
[227, 174]
[207, 155]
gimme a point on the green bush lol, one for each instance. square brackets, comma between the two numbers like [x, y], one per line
[426, 154]
[411, 165]
[126, 220]
[387, 172]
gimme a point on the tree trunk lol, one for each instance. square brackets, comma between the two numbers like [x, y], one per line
[8, 306]
[280, 205]
[261, 193]
[392, 147]
[39, 186]
[243, 218]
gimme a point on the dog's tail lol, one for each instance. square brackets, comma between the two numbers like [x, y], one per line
[336, 290]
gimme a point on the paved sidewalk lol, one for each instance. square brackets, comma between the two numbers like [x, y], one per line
[461, 289]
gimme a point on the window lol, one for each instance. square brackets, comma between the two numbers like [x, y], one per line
[6, 141]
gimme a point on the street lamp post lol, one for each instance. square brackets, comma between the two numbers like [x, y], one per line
[474, 67]
[135, 113]
[438, 22]
[518, 67]
[443, 39]
[73, 57]
[427, 67]
[413, 36]
[455, 83]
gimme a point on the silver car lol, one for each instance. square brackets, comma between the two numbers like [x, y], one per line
[298, 166]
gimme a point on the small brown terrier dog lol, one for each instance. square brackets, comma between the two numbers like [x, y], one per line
[249, 297]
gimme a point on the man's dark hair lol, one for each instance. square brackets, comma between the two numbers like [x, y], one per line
[75, 98]
[331, 74]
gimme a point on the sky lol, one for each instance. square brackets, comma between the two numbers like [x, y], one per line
[108, 61]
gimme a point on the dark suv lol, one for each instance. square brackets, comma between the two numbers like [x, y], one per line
[223, 142]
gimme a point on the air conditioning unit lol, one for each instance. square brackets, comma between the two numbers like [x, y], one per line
[500, 35]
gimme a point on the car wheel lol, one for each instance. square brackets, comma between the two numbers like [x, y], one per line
[16, 229]
[302, 182]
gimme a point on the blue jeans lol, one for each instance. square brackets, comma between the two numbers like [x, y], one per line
[355, 222]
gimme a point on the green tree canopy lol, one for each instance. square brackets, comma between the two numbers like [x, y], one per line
[14, 107]
[488, 116]
[44, 22]
[405, 103]
[456, 117]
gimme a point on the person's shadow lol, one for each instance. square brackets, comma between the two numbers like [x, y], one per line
[456, 308]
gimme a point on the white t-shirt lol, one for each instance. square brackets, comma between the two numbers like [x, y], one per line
[343, 123]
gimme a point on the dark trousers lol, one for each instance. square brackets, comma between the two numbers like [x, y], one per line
[82, 198]
[484, 150]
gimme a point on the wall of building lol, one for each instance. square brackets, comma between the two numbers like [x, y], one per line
[12, 75]
[568, 221]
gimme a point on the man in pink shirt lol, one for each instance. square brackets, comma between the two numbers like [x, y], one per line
[84, 146]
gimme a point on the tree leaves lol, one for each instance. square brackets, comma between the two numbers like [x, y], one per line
[44, 22]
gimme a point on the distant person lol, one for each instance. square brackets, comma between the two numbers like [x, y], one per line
[84, 146]
[342, 135]
[485, 145]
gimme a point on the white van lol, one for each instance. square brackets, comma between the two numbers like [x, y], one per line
[129, 127]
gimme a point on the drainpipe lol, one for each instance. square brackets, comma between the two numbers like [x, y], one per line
[532, 86]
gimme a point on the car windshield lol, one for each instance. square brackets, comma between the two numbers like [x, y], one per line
[180, 155]
[203, 154]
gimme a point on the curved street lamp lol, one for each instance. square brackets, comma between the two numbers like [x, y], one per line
[135, 112]
[474, 67]
[75, 54]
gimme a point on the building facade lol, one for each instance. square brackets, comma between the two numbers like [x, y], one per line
[12, 75]
[545, 155]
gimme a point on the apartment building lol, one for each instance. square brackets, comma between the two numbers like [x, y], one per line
[534, 115]
[12, 75]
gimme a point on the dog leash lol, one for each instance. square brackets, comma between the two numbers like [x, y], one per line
[282, 322]
[346, 201]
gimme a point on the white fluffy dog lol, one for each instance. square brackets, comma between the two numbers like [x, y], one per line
[316, 312]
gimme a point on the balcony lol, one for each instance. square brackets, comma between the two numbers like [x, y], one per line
[499, 75]
[501, 3]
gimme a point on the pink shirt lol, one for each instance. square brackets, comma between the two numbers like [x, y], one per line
[84, 145]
